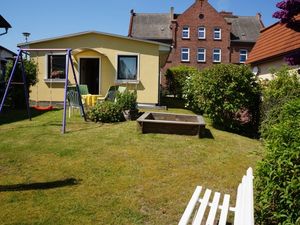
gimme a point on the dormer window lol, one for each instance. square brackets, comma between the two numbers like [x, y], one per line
[185, 32]
[217, 34]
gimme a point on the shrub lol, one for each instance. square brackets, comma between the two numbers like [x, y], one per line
[127, 100]
[176, 78]
[284, 87]
[228, 94]
[16, 93]
[277, 179]
[106, 112]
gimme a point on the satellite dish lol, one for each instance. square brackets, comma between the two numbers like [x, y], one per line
[255, 70]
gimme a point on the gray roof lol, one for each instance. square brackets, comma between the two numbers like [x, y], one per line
[244, 28]
[157, 27]
[154, 26]
[4, 23]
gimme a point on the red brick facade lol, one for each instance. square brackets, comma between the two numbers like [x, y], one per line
[202, 14]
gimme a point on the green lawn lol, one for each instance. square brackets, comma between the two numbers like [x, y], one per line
[123, 177]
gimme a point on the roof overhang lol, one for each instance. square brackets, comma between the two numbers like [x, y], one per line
[92, 32]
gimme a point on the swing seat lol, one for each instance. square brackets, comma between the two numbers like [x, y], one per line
[43, 108]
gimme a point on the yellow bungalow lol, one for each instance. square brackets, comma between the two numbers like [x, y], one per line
[101, 60]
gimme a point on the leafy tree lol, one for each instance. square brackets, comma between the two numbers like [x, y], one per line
[284, 87]
[228, 94]
[16, 94]
[288, 10]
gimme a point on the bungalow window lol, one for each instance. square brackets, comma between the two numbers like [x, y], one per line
[185, 55]
[127, 68]
[185, 32]
[56, 66]
[201, 33]
[201, 54]
[217, 34]
[243, 55]
[217, 55]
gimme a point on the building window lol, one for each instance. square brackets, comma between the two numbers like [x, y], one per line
[127, 68]
[217, 55]
[243, 55]
[56, 66]
[185, 54]
[185, 32]
[201, 33]
[201, 55]
[217, 34]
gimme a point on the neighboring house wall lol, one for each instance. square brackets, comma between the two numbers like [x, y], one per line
[200, 14]
[237, 33]
[275, 42]
[235, 51]
[106, 48]
[265, 68]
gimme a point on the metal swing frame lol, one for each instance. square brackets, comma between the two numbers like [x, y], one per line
[69, 62]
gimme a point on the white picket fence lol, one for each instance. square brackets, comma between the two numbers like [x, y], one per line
[200, 210]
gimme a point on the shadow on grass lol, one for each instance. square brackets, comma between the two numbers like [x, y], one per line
[245, 131]
[39, 186]
[207, 134]
[172, 102]
[10, 116]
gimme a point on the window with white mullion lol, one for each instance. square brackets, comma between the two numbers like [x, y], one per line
[185, 55]
[201, 33]
[185, 32]
[217, 34]
[243, 55]
[217, 55]
[201, 56]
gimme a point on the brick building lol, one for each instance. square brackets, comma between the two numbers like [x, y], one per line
[200, 36]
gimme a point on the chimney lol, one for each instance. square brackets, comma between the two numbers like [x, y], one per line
[132, 12]
[258, 16]
[172, 13]
[227, 14]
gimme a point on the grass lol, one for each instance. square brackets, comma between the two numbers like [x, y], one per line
[109, 173]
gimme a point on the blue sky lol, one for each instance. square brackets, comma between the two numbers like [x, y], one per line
[51, 18]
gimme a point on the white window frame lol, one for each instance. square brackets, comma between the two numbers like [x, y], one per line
[135, 81]
[204, 53]
[218, 53]
[186, 52]
[204, 32]
[185, 29]
[217, 30]
[243, 54]
[47, 78]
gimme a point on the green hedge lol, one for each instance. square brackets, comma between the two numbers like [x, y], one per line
[228, 94]
[284, 87]
[176, 78]
[278, 174]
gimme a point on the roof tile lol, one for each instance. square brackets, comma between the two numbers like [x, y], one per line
[276, 40]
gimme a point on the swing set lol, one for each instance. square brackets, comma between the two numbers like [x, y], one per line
[69, 61]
